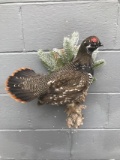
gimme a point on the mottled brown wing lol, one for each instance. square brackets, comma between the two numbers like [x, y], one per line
[66, 87]
[69, 80]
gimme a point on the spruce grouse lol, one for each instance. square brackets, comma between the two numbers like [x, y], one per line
[67, 86]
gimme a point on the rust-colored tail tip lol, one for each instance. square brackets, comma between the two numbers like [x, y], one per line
[12, 95]
[13, 84]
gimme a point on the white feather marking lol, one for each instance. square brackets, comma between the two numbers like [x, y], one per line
[61, 102]
[60, 96]
[50, 82]
[55, 103]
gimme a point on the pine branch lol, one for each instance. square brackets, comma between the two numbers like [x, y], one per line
[70, 45]
[98, 63]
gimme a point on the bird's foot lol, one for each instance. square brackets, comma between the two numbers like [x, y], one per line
[74, 115]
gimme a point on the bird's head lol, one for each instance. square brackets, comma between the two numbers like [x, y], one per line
[90, 44]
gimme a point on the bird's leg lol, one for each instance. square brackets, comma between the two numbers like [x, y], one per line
[74, 115]
[83, 96]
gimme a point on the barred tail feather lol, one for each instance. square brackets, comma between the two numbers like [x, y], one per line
[15, 85]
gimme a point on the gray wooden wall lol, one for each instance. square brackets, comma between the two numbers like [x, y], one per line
[32, 132]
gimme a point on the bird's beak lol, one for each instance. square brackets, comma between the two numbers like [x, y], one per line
[100, 44]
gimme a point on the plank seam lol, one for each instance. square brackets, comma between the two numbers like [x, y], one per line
[117, 25]
[54, 130]
[22, 28]
[58, 1]
[35, 52]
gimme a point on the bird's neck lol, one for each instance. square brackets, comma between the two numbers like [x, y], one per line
[83, 60]
[82, 50]
[83, 57]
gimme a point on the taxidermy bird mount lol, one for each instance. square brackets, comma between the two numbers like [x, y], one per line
[66, 85]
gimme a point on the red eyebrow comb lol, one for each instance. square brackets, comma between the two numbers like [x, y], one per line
[94, 39]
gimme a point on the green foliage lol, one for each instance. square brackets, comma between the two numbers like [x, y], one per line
[98, 63]
[57, 58]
